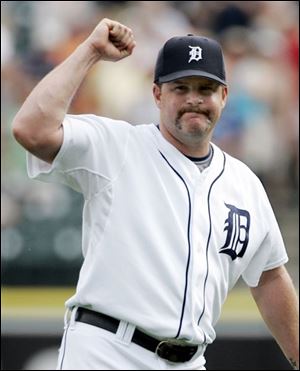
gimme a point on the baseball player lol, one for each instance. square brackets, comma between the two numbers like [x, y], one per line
[170, 221]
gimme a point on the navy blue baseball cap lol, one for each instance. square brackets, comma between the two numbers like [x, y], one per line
[185, 56]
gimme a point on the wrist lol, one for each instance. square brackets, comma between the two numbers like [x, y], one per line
[89, 53]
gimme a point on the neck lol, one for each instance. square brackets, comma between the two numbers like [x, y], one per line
[196, 148]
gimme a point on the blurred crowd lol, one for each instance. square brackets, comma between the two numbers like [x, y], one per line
[260, 40]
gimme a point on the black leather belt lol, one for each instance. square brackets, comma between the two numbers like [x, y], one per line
[164, 349]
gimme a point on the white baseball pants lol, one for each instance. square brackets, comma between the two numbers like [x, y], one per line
[87, 347]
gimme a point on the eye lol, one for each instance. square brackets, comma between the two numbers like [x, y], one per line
[180, 88]
[207, 89]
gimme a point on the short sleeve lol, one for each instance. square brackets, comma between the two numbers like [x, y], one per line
[91, 156]
[271, 253]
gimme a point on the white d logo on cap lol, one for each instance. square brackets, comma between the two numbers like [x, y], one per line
[195, 53]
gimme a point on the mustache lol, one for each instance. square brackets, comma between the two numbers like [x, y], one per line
[194, 109]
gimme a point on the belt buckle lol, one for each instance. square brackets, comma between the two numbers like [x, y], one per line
[163, 351]
[174, 351]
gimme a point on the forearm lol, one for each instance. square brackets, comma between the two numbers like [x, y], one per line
[46, 106]
[278, 304]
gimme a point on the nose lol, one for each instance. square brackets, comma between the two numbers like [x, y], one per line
[194, 98]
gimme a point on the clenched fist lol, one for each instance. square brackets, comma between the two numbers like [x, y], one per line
[111, 41]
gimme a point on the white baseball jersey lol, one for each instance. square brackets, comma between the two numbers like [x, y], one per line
[163, 243]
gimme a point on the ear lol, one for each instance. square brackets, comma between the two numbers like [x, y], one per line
[156, 89]
[224, 95]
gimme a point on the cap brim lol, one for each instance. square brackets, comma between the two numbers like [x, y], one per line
[189, 73]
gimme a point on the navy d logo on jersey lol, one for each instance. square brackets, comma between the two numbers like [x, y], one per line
[237, 226]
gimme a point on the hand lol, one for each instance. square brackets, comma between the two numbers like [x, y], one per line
[111, 41]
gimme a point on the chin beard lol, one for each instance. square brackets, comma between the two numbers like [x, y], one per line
[194, 130]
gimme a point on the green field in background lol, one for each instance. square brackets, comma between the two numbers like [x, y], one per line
[49, 302]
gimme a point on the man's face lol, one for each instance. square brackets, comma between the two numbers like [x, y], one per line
[190, 108]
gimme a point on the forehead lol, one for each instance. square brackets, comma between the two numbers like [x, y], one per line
[199, 80]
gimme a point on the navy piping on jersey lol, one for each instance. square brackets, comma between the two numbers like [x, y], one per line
[208, 239]
[200, 159]
[189, 243]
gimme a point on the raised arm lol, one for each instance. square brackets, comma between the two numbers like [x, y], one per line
[277, 301]
[38, 124]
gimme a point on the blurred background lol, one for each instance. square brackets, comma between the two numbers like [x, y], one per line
[41, 223]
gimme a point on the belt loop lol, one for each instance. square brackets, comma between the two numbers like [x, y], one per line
[125, 332]
[128, 333]
[72, 318]
[121, 330]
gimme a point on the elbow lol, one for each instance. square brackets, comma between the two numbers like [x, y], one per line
[17, 131]
[23, 135]
[40, 143]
